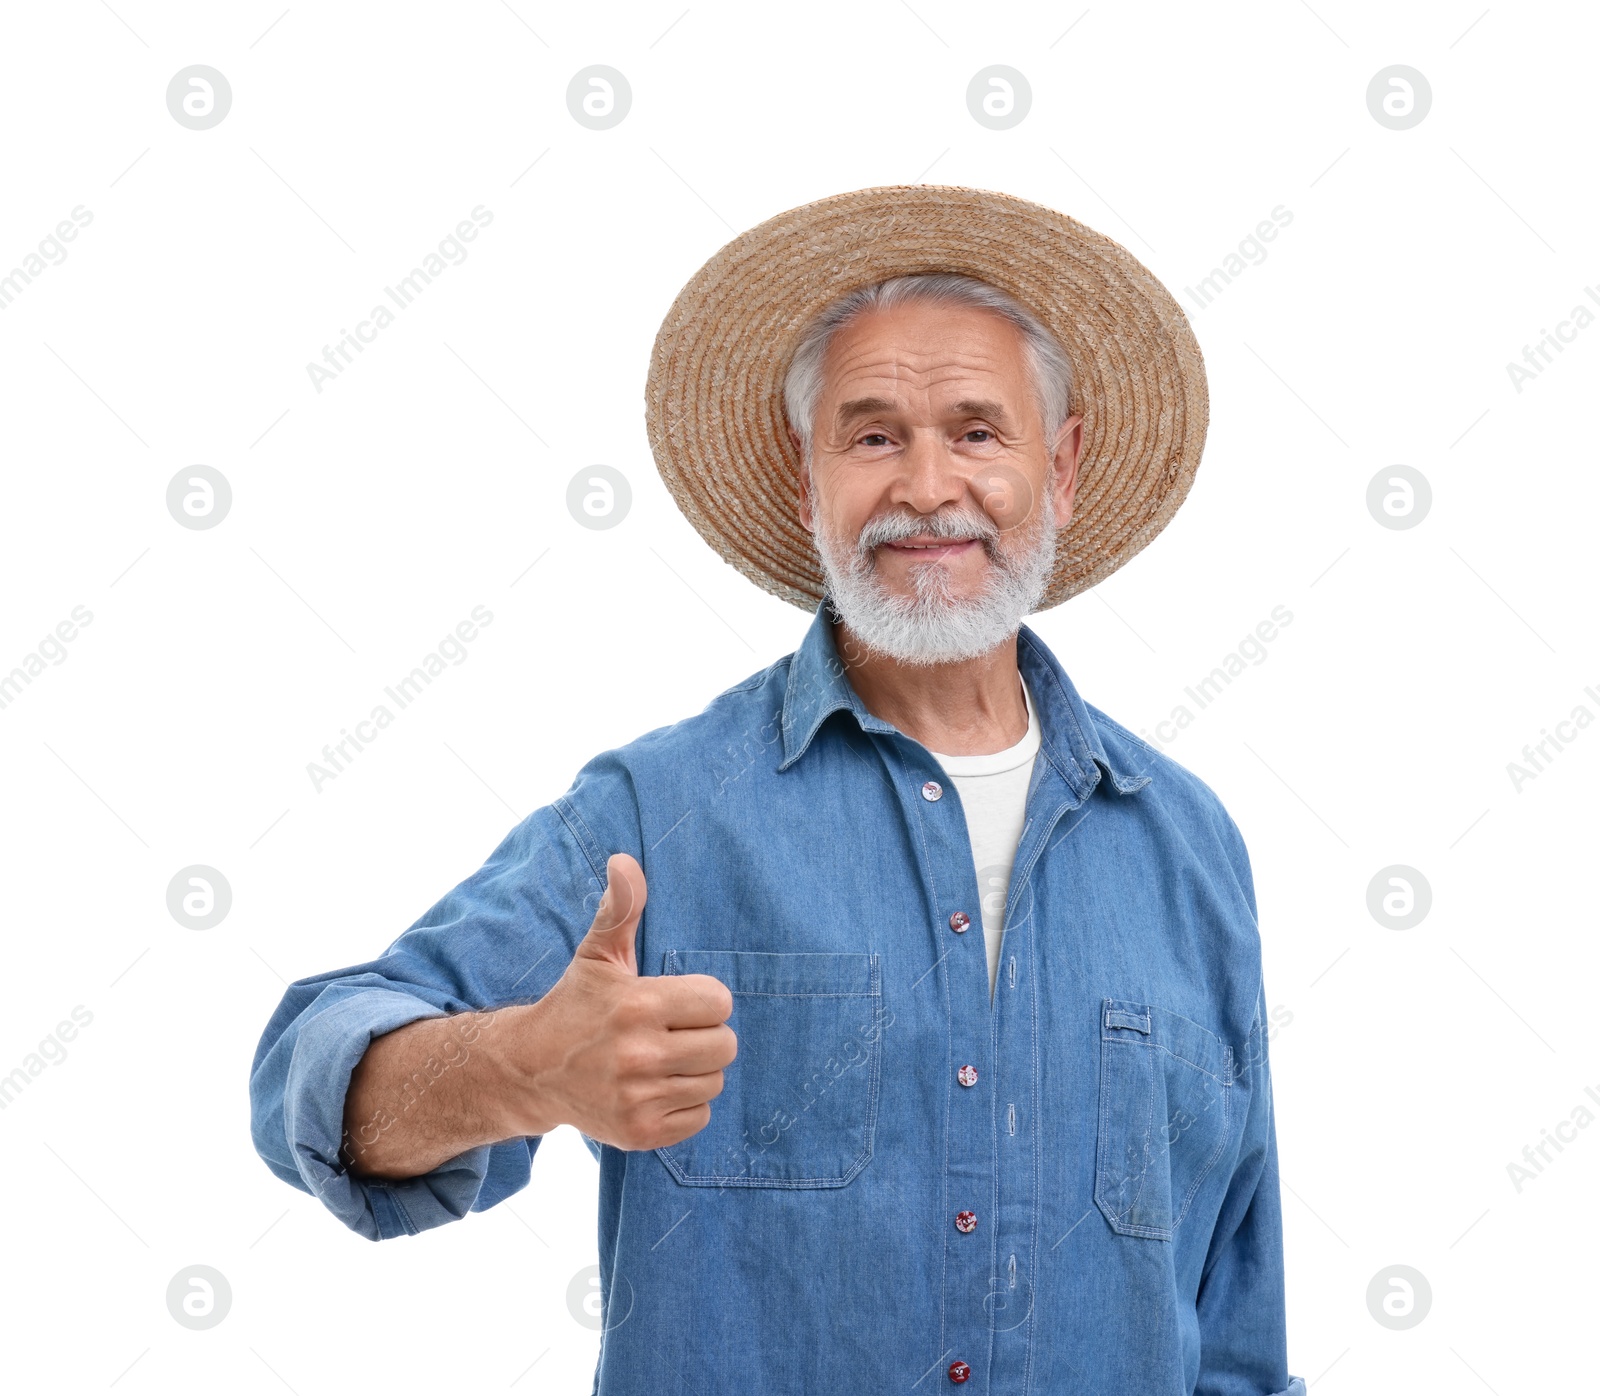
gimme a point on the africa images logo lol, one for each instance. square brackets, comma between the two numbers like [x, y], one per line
[450, 252]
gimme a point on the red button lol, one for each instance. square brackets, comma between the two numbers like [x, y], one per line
[959, 921]
[959, 1371]
[966, 1222]
[968, 1076]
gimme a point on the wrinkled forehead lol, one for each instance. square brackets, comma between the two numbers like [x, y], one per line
[928, 351]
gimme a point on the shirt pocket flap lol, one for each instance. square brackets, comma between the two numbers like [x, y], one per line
[825, 974]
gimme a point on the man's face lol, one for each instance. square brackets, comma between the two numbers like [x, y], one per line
[935, 496]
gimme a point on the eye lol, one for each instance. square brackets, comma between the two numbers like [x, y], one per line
[874, 438]
[980, 434]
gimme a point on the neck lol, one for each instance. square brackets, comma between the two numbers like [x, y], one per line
[969, 708]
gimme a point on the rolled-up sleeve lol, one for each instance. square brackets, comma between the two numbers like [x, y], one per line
[501, 937]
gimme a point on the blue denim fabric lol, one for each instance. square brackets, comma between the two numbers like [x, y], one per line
[1117, 1147]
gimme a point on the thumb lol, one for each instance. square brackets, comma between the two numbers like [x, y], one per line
[616, 922]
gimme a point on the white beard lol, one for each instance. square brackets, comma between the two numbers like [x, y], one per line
[934, 627]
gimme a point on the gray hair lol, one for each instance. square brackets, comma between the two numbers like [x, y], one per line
[1048, 364]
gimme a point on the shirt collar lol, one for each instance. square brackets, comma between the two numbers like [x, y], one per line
[1069, 737]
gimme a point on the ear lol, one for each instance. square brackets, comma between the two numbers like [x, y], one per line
[1068, 451]
[804, 503]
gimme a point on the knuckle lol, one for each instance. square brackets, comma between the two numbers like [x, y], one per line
[636, 1057]
[641, 1124]
[634, 1006]
[632, 1097]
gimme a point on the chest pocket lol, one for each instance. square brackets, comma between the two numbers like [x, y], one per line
[799, 1102]
[1166, 1115]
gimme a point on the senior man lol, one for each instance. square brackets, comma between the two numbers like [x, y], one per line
[912, 1007]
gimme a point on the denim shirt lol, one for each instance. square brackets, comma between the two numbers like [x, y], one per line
[904, 1185]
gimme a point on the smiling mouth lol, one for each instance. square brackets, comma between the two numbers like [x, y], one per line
[938, 546]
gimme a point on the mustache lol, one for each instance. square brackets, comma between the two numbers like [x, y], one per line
[892, 528]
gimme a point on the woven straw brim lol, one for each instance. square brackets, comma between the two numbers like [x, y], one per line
[714, 397]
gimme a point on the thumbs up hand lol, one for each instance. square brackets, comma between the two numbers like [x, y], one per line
[631, 1061]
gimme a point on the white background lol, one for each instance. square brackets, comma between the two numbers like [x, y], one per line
[369, 518]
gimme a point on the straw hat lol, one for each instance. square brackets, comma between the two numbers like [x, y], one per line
[714, 397]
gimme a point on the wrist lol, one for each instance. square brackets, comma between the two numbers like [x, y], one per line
[517, 1100]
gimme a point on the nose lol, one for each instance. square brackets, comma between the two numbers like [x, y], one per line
[929, 478]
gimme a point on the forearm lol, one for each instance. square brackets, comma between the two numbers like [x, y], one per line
[435, 1088]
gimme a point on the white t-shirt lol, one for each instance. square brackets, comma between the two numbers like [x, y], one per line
[994, 798]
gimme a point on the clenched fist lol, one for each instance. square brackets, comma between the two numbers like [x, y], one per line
[631, 1061]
